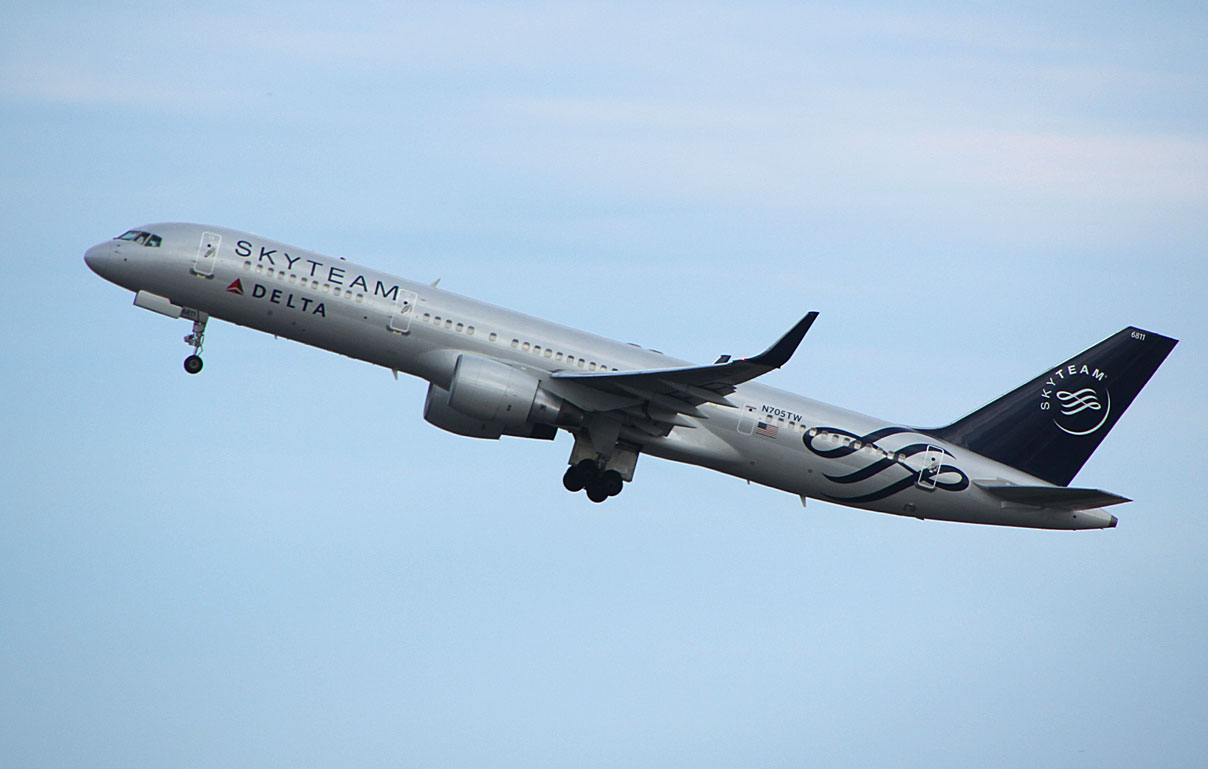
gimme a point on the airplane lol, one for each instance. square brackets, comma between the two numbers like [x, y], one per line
[495, 372]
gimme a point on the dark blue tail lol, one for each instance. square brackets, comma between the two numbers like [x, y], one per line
[1050, 426]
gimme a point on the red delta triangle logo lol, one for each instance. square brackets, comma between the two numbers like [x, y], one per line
[236, 287]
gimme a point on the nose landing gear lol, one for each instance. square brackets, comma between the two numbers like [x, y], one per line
[193, 363]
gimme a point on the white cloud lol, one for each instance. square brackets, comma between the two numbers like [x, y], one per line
[781, 153]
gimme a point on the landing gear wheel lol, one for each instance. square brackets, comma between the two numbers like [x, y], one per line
[596, 492]
[588, 468]
[586, 475]
[611, 482]
[196, 340]
[574, 479]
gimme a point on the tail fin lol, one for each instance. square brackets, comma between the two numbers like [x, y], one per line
[1050, 426]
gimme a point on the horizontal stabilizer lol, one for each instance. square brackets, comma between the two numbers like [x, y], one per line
[1061, 497]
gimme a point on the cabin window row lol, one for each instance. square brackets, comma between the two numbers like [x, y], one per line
[559, 356]
[546, 352]
[856, 445]
[452, 325]
[782, 422]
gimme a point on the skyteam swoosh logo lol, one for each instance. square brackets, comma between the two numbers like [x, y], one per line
[1076, 403]
[1078, 398]
[894, 471]
[1077, 406]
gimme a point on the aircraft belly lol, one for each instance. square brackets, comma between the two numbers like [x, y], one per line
[696, 446]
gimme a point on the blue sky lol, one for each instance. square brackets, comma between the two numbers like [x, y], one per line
[279, 563]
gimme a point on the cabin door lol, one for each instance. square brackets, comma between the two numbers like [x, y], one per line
[207, 253]
[746, 422]
[933, 460]
[400, 321]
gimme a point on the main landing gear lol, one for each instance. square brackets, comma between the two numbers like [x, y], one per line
[600, 484]
[193, 363]
[600, 467]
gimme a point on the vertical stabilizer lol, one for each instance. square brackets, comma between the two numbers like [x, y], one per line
[1050, 426]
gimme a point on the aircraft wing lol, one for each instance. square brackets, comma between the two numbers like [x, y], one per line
[662, 394]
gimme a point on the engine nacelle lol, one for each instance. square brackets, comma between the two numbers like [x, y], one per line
[487, 399]
[495, 392]
[492, 391]
[438, 412]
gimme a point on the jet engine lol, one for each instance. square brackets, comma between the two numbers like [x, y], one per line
[487, 399]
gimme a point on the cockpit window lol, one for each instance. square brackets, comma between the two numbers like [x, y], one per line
[142, 238]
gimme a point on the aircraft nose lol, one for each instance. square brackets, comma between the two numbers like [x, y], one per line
[99, 257]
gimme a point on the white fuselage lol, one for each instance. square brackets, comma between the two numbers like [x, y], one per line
[774, 438]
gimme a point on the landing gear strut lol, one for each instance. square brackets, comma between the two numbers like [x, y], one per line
[193, 363]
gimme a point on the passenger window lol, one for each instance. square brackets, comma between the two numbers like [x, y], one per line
[427, 317]
[493, 336]
[548, 352]
[558, 356]
[448, 323]
[525, 347]
[515, 342]
[461, 327]
[582, 362]
[470, 330]
[591, 366]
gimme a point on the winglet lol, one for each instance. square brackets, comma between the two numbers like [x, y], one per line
[778, 354]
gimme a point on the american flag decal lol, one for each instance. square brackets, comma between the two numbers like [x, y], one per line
[766, 430]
